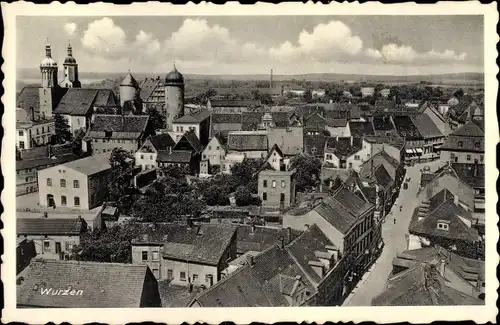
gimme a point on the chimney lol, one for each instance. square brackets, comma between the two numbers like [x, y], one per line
[289, 234]
[189, 223]
[442, 267]
[455, 199]
[170, 150]
[282, 242]
[271, 80]
[252, 229]
[307, 226]
[45, 215]
[32, 111]
[250, 260]
[352, 140]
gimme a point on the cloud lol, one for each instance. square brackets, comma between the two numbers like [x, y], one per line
[333, 41]
[405, 54]
[105, 39]
[70, 28]
[145, 44]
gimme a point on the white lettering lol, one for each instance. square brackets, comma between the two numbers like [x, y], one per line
[45, 291]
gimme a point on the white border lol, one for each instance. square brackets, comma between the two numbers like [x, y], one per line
[479, 314]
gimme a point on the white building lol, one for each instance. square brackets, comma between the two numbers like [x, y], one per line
[31, 132]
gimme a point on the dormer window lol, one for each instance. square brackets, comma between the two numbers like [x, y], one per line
[443, 225]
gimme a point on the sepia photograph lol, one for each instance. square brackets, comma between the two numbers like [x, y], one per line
[204, 159]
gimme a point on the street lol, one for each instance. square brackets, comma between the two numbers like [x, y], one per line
[393, 234]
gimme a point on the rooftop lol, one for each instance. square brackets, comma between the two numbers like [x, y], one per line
[197, 117]
[234, 103]
[50, 226]
[90, 165]
[426, 127]
[247, 140]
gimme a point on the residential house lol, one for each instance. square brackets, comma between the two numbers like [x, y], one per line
[252, 144]
[94, 285]
[394, 146]
[432, 136]
[276, 159]
[32, 131]
[314, 145]
[473, 176]
[360, 129]
[27, 168]
[54, 238]
[392, 166]
[425, 284]
[438, 115]
[367, 91]
[314, 123]
[338, 128]
[276, 188]
[383, 126]
[254, 238]
[379, 183]
[461, 111]
[25, 252]
[198, 122]
[147, 155]
[346, 153]
[78, 104]
[348, 222]
[290, 139]
[232, 106]
[79, 184]
[127, 132]
[385, 92]
[414, 140]
[230, 160]
[181, 158]
[215, 151]
[223, 123]
[93, 218]
[443, 221]
[465, 144]
[304, 272]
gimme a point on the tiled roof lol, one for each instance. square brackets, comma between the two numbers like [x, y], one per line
[336, 214]
[129, 80]
[336, 123]
[353, 203]
[382, 123]
[205, 243]
[77, 101]
[103, 285]
[91, 165]
[394, 141]
[261, 238]
[247, 141]
[219, 118]
[50, 226]
[43, 162]
[406, 128]
[471, 136]
[106, 97]
[342, 146]
[314, 142]
[162, 141]
[471, 174]
[281, 119]
[119, 123]
[380, 158]
[29, 97]
[234, 103]
[148, 86]
[197, 117]
[426, 126]
[289, 139]
[382, 176]
[250, 120]
[189, 141]
[314, 121]
[421, 286]
[305, 247]
[359, 129]
[174, 156]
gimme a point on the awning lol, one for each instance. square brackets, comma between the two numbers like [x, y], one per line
[409, 151]
[419, 150]
[479, 205]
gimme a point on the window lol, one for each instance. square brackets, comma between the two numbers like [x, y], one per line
[443, 226]
[350, 165]
[469, 157]
[170, 274]
[217, 148]
[62, 182]
[37, 131]
[43, 129]
[183, 276]
[274, 184]
[144, 255]
[21, 133]
[76, 184]
[155, 273]
[63, 200]
[150, 157]
[142, 156]
[49, 182]
[209, 279]
[477, 145]
[460, 144]
[76, 201]
[21, 144]
[264, 183]
[481, 158]
[182, 129]
[329, 156]
[195, 277]
[46, 246]
[356, 157]
[209, 147]
[155, 256]
[204, 156]
[264, 196]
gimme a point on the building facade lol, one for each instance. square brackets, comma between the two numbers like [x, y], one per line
[276, 188]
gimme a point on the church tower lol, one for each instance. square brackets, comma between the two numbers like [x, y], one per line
[70, 71]
[48, 68]
[174, 97]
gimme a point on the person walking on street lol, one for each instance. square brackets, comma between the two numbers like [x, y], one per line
[400, 208]
[394, 220]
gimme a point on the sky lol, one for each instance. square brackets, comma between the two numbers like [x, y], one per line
[381, 45]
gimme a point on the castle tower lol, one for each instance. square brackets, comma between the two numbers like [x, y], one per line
[129, 89]
[48, 68]
[70, 71]
[174, 96]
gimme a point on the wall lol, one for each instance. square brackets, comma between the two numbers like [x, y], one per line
[127, 93]
[154, 265]
[254, 154]
[190, 268]
[274, 193]
[24, 138]
[461, 157]
[174, 104]
[26, 181]
[310, 218]
[343, 131]
[180, 128]
[98, 188]
[275, 160]
[363, 155]
[147, 160]
[214, 152]
[76, 122]
[57, 173]
[332, 159]
[105, 145]
[52, 239]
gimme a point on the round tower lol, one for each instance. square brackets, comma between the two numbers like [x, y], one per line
[48, 68]
[129, 89]
[70, 71]
[174, 96]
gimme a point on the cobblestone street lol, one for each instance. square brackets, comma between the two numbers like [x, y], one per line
[372, 283]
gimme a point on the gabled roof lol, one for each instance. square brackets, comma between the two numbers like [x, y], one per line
[197, 117]
[189, 141]
[342, 146]
[314, 121]
[119, 123]
[106, 97]
[426, 127]
[247, 141]
[382, 123]
[250, 120]
[29, 97]
[471, 174]
[275, 148]
[382, 176]
[77, 101]
[289, 139]
[260, 238]
[394, 141]
[234, 103]
[162, 141]
[336, 123]
[103, 285]
[470, 134]
[406, 128]
[360, 129]
[50, 226]
[205, 243]
[148, 86]
[380, 158]
[221, 118]
[314, 142]
[90, 165]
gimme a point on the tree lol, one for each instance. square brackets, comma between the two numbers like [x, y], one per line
[120, 185]
[246, 174]
[62, 130]
[308, 97]
[243, 196]
[155, 118]
[307, 173]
